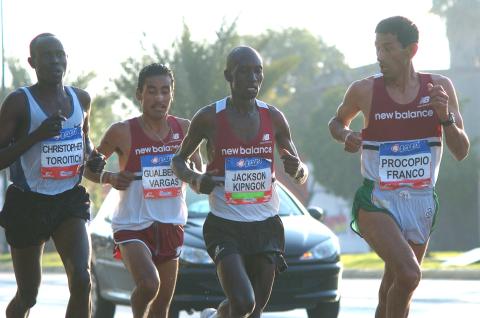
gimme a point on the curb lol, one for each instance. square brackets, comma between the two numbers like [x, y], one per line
[459, 274]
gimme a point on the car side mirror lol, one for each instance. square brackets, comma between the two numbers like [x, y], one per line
[317, 213]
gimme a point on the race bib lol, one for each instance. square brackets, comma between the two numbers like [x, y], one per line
[158, 180]
[406, 163]
[62, 155]
[248, 180]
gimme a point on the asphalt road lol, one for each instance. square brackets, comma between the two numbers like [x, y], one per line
[433, 298]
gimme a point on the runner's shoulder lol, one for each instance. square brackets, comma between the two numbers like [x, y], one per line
[205, 115]
[183, 122]
[118, 131]
[83, 97]
[439, 79]
[363, 86]
[15, 103]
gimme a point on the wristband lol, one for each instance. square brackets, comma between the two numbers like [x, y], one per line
[101, 176]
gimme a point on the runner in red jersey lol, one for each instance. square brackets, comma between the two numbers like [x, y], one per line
[243, 233]
[404, 113]
[148, 221]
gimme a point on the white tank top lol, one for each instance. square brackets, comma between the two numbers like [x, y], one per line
[156, 194]
[55, 165]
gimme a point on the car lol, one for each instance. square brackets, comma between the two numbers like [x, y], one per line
[312, 252]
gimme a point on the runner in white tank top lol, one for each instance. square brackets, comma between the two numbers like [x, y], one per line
[241, 133]
[148, 221]
[401, 148]
[43, 140]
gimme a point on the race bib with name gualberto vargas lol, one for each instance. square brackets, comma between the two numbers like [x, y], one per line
[158, 180]
[62, 155]
[248, 180]
[405, 163]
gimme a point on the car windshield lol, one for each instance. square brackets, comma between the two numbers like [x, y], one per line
[198, 206]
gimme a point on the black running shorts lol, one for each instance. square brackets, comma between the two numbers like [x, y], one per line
[30, 218]
[224, 237]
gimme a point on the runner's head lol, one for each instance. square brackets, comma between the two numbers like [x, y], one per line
[155, 90]
[396, 44]
[48, 58]
[244, 72]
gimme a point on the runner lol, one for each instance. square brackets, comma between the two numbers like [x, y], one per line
[243, 233]
[148, 223]
[43, 139]
[401, 146]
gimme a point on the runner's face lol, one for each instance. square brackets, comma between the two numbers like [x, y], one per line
[247, 76]
[49, 60]
[156, 96]
[391, 55]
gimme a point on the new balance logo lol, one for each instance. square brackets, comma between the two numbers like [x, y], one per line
[266, 137]
[424, 101]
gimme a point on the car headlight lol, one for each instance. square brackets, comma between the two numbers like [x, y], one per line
[195, 255]
[327, 249]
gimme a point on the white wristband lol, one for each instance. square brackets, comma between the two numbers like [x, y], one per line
[101, 176]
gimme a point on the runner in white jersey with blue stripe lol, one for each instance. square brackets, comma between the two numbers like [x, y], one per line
[44, 140]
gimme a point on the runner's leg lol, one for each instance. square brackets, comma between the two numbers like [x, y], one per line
[237, 287]
[262, 275]
[383, 235]
[168, 278]
[27, 265]
[73, 244]
[138, 260]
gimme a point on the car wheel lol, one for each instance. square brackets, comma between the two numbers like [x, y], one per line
[101, 308]
[325, 310]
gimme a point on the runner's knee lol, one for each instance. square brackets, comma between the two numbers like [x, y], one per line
[242, 306]
[80, 282]
[28, 297]
[408, 278]
[147, 288]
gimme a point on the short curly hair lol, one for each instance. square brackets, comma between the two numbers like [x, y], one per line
[154, 69]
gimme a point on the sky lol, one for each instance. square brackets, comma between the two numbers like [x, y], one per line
[99, 34]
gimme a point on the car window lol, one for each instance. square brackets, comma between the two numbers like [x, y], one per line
[198, 206]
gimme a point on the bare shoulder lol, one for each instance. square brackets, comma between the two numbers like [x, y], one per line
[362, 87]
[205, 115]
[83, 97]
[184, 123]
[118, 131]
[276, 113]
[439, 79]
[15, 105]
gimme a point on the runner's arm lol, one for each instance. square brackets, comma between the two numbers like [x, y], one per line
[194, 136]
[107, 147]
[85, 101]
[12, 116]
[455, 136]
[288, 152]
[339, 125]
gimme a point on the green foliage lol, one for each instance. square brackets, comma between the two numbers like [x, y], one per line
[336, 169]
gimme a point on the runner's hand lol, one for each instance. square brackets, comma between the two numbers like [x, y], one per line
[353, 142]
[204, 183]
[96, 161]
[120, 180]
[438, 100]
[50, 127]
[291, 163]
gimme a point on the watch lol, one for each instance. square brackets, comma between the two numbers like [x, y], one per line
[449, 121]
